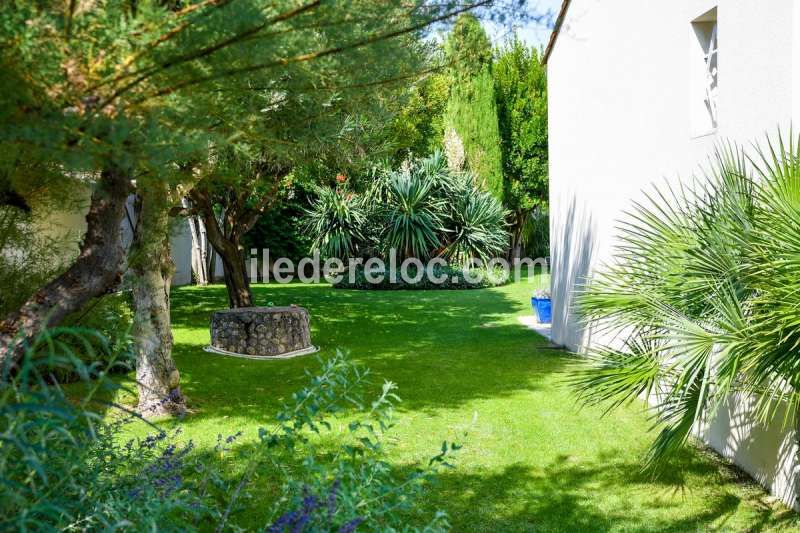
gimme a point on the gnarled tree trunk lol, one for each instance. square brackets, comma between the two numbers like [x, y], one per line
[236, 278]
[97, 270]
[157, 376]
[243, 202]
[228, 245]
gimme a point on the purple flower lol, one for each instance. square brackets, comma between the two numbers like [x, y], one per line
[351, 526]
[332, 499]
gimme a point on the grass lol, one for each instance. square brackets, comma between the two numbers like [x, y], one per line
[468, 371]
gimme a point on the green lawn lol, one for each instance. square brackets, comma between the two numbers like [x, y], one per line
[468, 371]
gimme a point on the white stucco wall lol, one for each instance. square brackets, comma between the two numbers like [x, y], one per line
[68, 226]
[620, 95]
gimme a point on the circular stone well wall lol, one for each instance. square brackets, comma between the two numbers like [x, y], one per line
[261, 331]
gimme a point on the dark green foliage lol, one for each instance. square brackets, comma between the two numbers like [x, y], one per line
[471, 108]
[455, 278]
[704, 297]
[422, 211]
[536, 234]
[521, 93]
[281, 229]
[475, 222]
[412, 217]
[111, 316]
[336, 220]
[468, 49]
[27, 260]
[63, 465]
[418, 128]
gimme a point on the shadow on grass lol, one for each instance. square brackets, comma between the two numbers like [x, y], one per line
[568, 495]
[564, 495]
[442, 348]
[446, 349]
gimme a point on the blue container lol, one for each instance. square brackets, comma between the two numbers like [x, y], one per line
[543, 309]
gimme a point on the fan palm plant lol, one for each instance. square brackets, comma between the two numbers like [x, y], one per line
[703, 299]
[336, 219]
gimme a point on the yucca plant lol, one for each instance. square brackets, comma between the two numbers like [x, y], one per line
[703, 299]
[475, 225]
[412, 217]
[336, 219]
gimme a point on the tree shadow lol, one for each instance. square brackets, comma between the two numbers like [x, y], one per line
[568, 495]
[446, 349]
[565, 494]
[442, 348]
[573, 249]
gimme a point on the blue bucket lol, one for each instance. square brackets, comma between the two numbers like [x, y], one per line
[543, 309]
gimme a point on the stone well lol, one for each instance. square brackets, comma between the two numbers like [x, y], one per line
[261, 331]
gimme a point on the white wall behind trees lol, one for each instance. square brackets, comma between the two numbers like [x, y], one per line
[621, 99]
[67, 227]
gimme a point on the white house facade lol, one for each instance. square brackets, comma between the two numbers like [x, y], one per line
[640, 91]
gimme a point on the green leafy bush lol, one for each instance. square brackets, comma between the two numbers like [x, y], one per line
[475, 226]
[704, 297]
[64, 464]
[412, 217]
[281, 229]
[536, 234]
[112, 317]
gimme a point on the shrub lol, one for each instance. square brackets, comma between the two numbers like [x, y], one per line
[421, 211]
[281, 229]
[536, 234]
[336, 220]
[112, 351]
[704, 297]
[27, 260]
[63, 465]
[476, 226]
[412, 217]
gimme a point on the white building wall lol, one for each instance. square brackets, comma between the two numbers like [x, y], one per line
[620, 94]
[69, 225]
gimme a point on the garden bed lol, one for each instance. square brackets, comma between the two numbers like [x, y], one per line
[453, 278]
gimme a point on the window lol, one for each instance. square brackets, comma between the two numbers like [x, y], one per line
[704, 73]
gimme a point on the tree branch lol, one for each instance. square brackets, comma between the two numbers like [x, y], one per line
[311, 55]
[148, 72]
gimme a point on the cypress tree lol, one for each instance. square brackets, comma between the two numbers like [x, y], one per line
[471, 108]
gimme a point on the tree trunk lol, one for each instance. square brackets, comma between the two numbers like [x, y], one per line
[236, 279]
[97, 270]
[198, 234]
[518, 226]
[157, 376]
[227, 245]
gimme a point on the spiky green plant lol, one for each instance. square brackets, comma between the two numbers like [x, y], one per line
[703, 299]
[413, 216]
[476, 225]
[336, 219]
